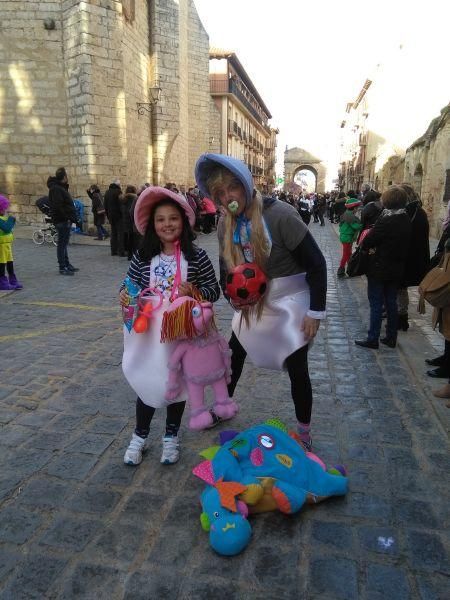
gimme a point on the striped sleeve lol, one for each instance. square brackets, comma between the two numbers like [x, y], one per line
[135, 271]
[204, 277]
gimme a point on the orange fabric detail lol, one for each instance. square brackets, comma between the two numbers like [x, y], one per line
[282, 501]
[228, 490]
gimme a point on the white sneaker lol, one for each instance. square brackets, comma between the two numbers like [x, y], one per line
[171, 450]
[133, 454]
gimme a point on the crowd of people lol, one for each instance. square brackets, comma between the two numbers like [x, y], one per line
[117, 207]
[154, 227]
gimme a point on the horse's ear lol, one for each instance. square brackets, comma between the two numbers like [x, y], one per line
[205, 472]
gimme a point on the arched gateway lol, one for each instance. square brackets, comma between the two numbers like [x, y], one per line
[297, 160]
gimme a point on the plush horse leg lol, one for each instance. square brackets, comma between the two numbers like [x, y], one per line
[224, 406]
[200, 417]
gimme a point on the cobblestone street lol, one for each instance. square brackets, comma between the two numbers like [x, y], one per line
[75, 522]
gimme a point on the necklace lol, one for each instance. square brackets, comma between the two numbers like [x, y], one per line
[167, 258]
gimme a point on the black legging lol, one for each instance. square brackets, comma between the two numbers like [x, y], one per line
[144, 415]
[6, 268]
[297, 366]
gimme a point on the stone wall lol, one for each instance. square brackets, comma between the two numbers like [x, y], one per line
[426, 164]
[180, 48]
[215, 126]
[33, 106]
[199, 96]
[68, 96]
[138, 77]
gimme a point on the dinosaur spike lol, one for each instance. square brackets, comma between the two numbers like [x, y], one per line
[209, 453]
[228, 490]
[205, 472]
[277, 423]
[227, 436]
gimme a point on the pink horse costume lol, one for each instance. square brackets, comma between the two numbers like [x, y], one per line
[201, 358]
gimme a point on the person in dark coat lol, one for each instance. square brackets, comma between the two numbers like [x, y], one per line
[371, 210]
[321, 208]
[127, 202]
[114, 214]
[98, 210]
[62, 213]
[388, 245]
[418, 259]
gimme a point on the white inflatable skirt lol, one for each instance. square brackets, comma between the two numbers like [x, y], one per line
[145, 361]
[269, 341]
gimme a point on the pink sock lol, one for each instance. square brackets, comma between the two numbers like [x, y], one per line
[304, 430]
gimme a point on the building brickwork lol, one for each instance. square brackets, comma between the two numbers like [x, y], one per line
[427, 167]
[33, 101]
[70, 89]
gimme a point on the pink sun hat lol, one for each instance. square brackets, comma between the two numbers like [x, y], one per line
[147, 200]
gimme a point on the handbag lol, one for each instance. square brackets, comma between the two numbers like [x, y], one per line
[435, 286]
[358, 263]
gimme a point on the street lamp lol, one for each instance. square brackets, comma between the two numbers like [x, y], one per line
[154, 94]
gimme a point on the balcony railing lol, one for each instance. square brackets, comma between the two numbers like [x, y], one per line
[223, 85]
[363, 139]
[219, 86]
[233, 89]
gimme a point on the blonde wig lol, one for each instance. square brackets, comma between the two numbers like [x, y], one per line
[232, 253]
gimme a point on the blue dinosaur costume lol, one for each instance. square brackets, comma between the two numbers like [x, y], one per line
[262, 468]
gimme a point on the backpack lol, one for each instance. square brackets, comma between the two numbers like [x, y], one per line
[435, 286]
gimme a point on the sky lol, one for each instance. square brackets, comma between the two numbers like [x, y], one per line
[308, 59]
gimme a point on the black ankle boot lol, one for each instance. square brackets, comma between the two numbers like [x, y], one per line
[402, 323]
[390, 342]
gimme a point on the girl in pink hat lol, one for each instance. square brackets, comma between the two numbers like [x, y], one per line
[171, 264]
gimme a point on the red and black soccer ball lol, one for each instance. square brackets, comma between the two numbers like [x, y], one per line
[246, 285]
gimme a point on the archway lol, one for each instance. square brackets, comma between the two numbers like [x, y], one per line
[297, 160]
[306, 177]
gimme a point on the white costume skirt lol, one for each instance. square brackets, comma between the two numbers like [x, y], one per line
[269, 341]
[145, 361]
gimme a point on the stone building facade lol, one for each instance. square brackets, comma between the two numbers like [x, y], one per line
[239, 118]
[427, 168]
[368, 157]
[72, 76]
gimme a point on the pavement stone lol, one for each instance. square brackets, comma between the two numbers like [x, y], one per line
[77, 523]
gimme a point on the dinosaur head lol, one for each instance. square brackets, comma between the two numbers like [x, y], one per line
[229, 532]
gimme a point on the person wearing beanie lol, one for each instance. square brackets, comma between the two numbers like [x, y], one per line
[349, 227]
[7, 223]
[276, 332]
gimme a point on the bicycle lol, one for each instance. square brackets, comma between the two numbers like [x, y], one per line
[45, 234]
